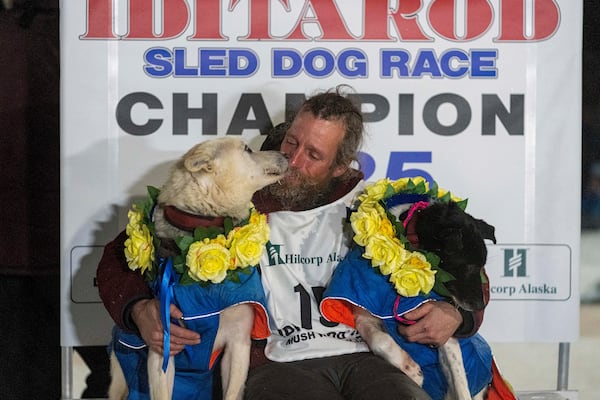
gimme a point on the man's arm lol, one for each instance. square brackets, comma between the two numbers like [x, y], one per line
[129, 301]
[437, 321]
[120, 288]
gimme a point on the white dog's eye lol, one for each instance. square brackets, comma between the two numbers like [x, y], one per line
[247, 149]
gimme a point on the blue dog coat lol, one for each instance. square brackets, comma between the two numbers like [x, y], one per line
[201, 307]
[355, 282]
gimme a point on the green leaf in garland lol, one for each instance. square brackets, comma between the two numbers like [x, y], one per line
[246, 271]
[433, 191]
[179, 264]
[233, 276]
[186, 279]
[183, 242]
[153, 192]
[201, 233]
[433, 259]
[389, 191]
[446, 197]
[227, 225]
[443, 276]
[441, 289]
[462, 204]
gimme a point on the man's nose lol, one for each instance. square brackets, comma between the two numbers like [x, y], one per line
[295, 159]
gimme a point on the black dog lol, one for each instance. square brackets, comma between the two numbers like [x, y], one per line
[459, 240]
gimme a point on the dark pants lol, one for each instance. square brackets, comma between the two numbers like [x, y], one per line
[361, 376]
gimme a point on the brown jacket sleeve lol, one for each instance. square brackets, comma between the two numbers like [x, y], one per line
[119, 286]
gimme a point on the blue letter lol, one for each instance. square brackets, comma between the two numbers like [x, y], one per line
[158, 62]
[289, 58]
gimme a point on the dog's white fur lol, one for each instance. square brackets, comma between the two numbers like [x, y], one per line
[215, 178]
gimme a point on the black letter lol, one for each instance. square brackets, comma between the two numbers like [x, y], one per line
[123, 113]
[182, 113]
[240, 121]
[513, 121]
[463, 114]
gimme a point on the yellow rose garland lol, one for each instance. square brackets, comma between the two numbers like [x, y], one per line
[383, 238]
[210, 255]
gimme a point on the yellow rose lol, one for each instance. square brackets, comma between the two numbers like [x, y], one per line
[400, 184]
[386, 228]
[375, 191]
[257, 218]
[208, 261]
[135, 216]
[139, 249]
[418, 179]
[365, 222]
[414, 276]
[248, 243]
[385, 252]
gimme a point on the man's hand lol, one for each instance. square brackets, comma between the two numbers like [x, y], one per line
[436, 323]
[146, 315]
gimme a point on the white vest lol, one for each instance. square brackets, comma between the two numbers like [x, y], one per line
[302, 253]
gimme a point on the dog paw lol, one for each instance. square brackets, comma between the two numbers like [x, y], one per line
[414, 372]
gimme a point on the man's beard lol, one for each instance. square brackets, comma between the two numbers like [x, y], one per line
[302, 193]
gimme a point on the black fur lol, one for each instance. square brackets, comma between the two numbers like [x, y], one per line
[459, 240]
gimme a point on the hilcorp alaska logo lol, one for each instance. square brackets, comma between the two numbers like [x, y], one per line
[277, 257]
[515, 262]
[530, 272]
[380, 20]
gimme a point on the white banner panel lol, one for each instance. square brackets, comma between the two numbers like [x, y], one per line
[484, 96]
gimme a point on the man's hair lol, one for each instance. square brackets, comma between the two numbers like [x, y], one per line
[333, 105]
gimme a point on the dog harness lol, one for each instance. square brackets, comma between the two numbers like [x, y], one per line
[355, 282]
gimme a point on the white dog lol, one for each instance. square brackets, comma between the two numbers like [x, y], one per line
[215, 178]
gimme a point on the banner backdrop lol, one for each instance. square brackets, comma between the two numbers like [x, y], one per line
[481, 95]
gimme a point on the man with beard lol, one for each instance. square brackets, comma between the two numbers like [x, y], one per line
[306, 357]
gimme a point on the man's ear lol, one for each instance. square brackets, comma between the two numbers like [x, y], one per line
[339, 170]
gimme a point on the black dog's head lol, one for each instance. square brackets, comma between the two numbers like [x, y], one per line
[458, 239]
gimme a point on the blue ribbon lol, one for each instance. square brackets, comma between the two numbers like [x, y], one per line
[165, 295]
[405, 198]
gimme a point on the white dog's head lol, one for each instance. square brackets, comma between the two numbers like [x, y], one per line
[219, 176]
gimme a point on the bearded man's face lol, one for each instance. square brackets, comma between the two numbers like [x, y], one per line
[311, 145]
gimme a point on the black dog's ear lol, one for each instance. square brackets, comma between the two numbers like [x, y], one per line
[275, 137]
[487, 230]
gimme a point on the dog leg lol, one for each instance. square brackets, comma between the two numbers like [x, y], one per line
[118, 386]
[235, 327]
[384, 346]
[451, 360]
[160, 382]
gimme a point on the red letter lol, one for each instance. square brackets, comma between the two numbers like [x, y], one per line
[208, 20]
[546, 17]
[141, 19]
[259, 20]
[99, 20]
[443, 19]
[327, 16]
[405, 20]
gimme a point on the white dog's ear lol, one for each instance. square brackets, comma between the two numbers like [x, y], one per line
[198, 162]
